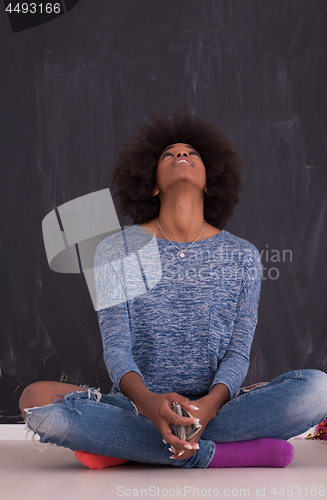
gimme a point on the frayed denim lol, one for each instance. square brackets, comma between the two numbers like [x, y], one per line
[110, 424]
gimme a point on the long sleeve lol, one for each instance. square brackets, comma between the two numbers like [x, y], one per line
[234, 364]
[117, 278]
[116, 339]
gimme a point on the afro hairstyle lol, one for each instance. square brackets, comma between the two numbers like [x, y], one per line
[134, 176]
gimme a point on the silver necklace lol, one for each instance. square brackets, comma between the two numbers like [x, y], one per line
[181, 252]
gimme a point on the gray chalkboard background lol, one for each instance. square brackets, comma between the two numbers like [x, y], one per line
[71, 91]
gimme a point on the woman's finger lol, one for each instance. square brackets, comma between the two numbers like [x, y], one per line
[178, 420]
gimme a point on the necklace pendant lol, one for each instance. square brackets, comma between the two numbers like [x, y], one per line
[182, 254]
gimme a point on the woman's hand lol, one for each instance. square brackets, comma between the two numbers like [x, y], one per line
[208, 406]
[159, 409]
[206, 412]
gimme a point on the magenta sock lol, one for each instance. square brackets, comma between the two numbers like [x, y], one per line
[264, 452]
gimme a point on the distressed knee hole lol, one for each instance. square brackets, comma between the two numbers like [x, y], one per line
[51, 423]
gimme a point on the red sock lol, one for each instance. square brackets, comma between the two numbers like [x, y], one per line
[97, 461]
[264, 452]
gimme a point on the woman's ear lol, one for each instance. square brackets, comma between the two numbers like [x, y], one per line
[155, 191]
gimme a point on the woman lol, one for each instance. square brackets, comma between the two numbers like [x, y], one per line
[177, 315]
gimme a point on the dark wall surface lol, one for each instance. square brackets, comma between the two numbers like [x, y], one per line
[71, 91]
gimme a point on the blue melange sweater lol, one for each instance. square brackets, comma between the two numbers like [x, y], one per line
[183, 324]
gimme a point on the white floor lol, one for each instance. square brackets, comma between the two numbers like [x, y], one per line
[31, 471]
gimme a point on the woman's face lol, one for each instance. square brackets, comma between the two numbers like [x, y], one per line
[180, 163]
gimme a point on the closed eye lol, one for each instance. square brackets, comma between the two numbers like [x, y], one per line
[194, 153]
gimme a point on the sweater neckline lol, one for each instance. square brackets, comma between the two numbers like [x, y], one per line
[187, 242]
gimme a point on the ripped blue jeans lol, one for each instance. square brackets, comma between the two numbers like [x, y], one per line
[110, 424]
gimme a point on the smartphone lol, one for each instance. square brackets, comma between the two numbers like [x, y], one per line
[184, 432]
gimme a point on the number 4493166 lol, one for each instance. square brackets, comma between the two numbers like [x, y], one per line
[297, 491]
[33, 8]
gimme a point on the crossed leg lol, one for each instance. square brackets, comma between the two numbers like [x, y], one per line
[280, 409]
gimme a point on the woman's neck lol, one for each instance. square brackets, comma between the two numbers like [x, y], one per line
[181, 217]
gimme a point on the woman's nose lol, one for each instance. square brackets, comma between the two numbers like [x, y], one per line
[182, 153]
